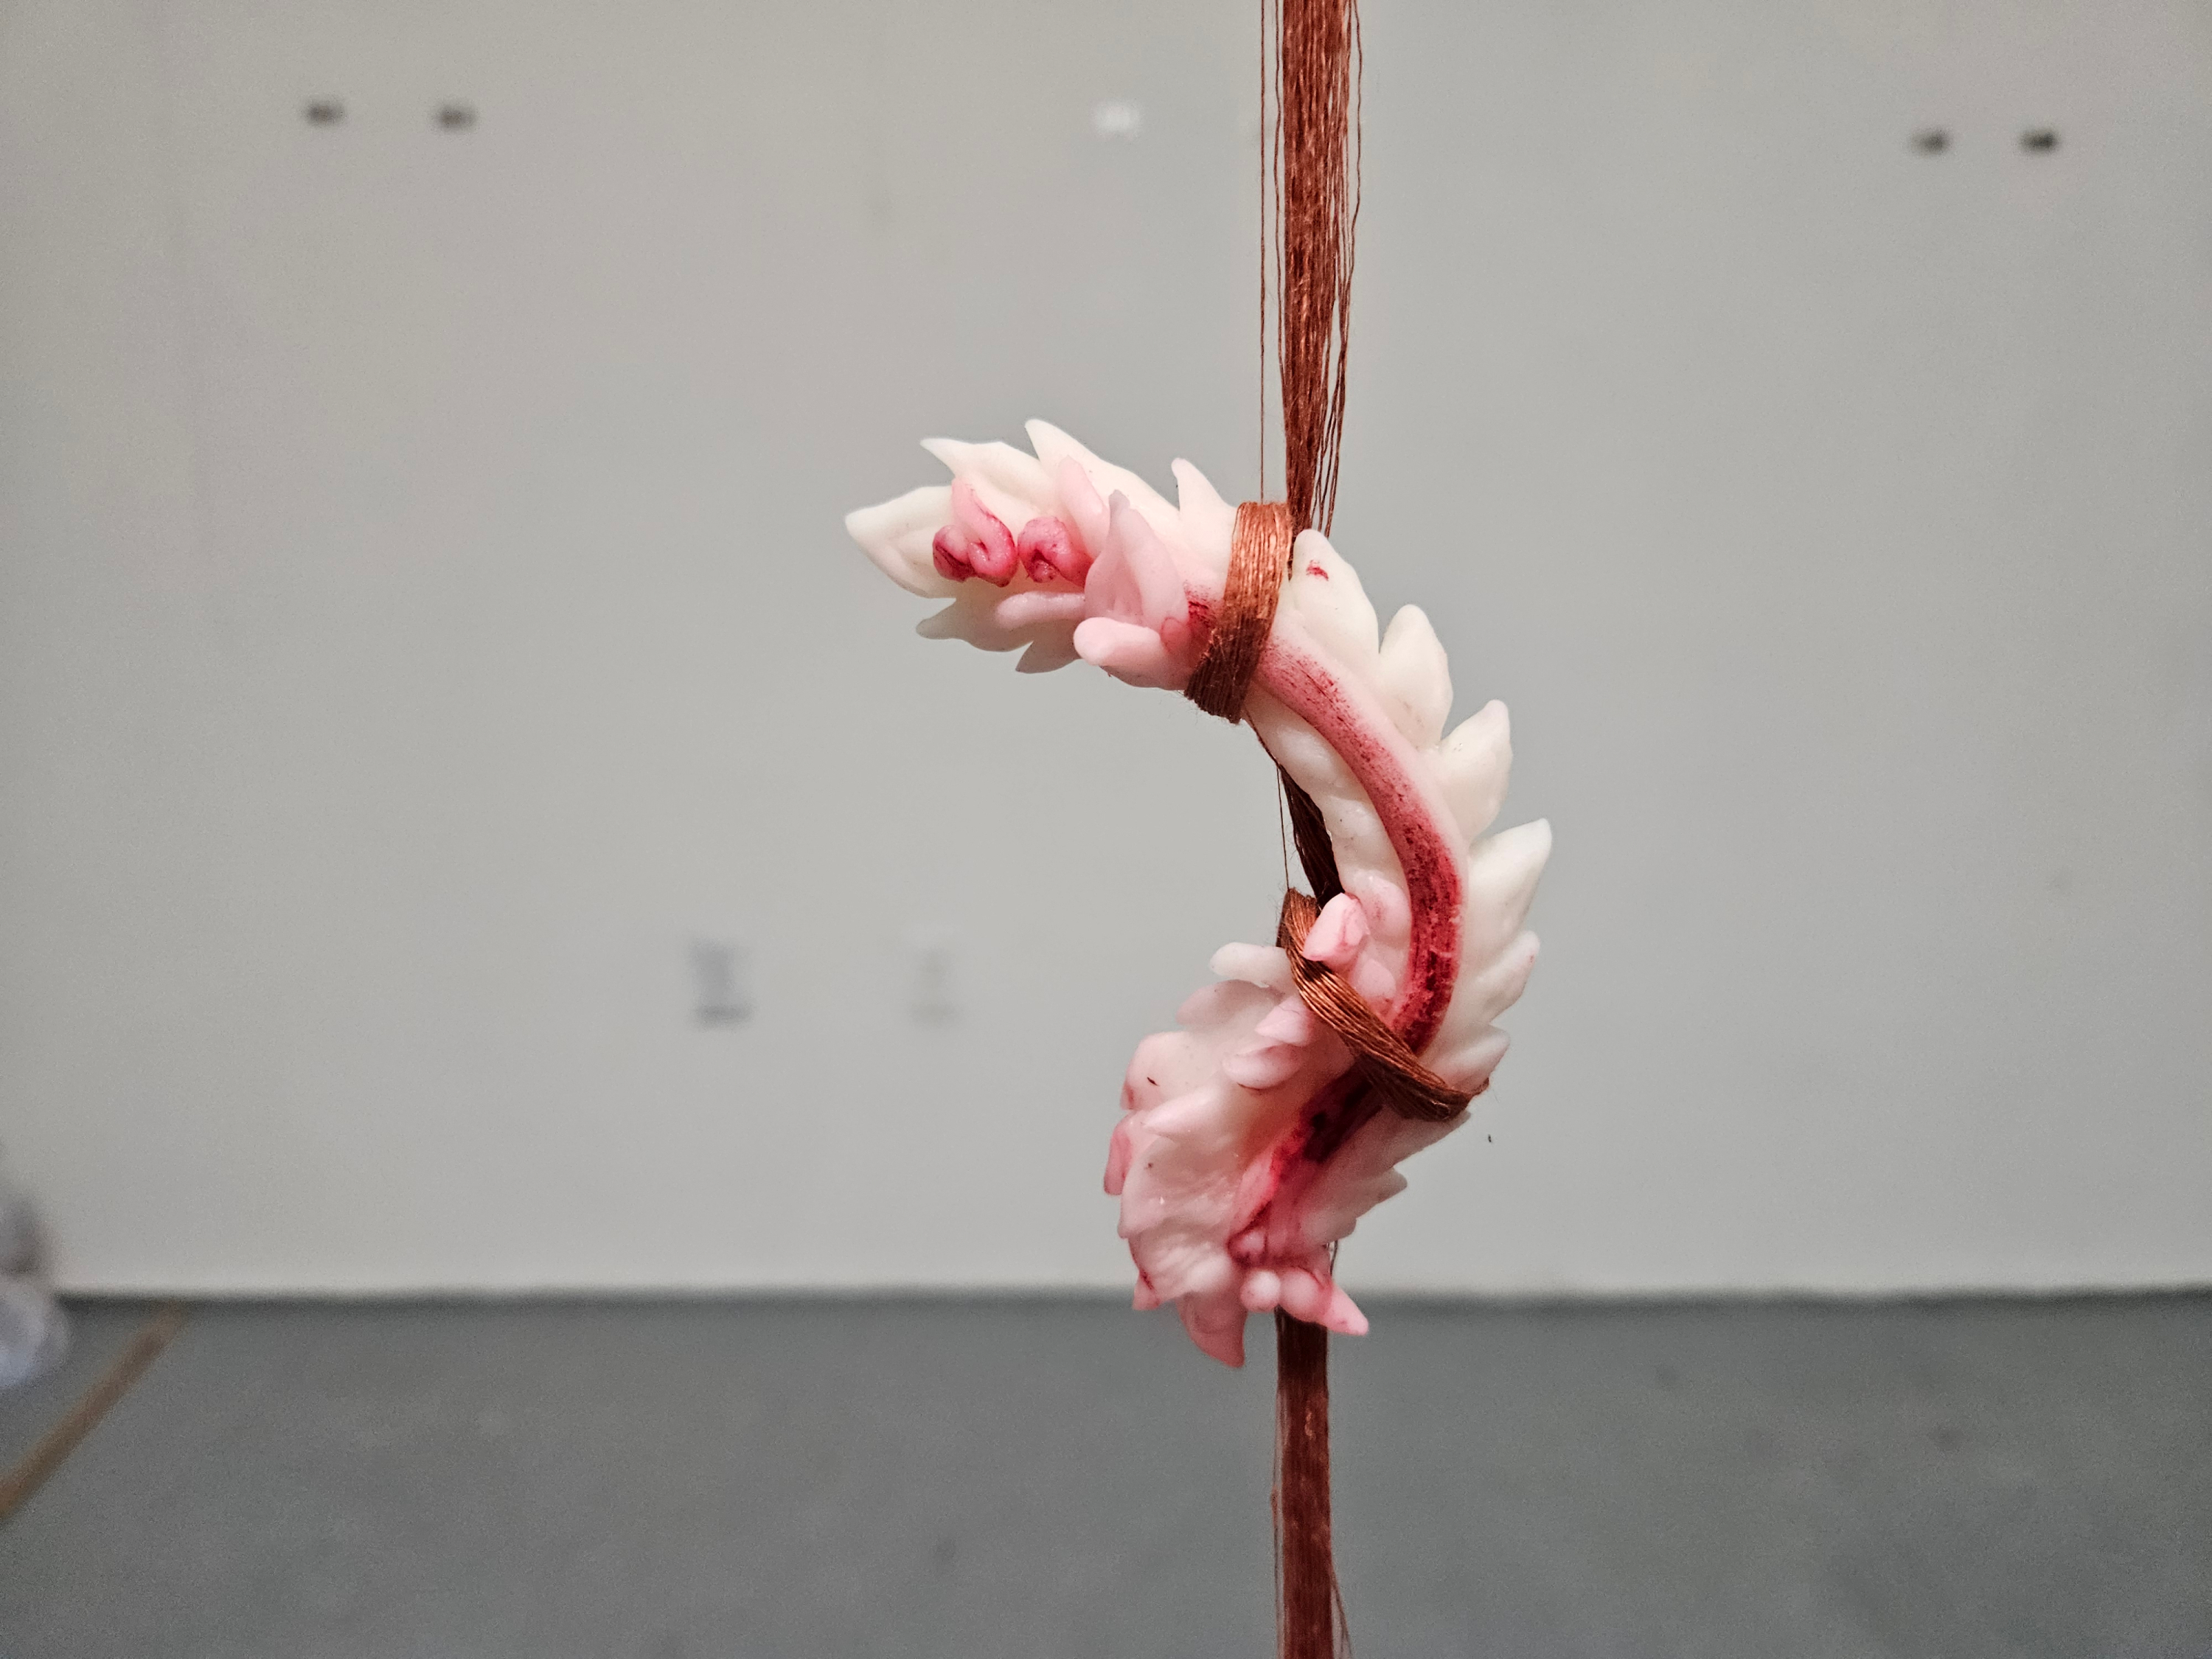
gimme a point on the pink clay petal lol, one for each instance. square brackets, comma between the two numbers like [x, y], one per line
[969, 515]
[1033, 605]
[1390, 916]
[1217, 1325]
[993, 555]
[1161, 601]
[1125, 650]
[1047, 551]
[1292, 1022]
[1469, 1065]
[1256, 1185]
[1175, 633]
[1264, 1065]
[948, 551]
[1374, 980]
[1167, 1063]
[1110, 591]
[1222, 1001]
[989, 545]
[1256, 964]
[1117, 1159]
[1086, 513]
[1340, 933]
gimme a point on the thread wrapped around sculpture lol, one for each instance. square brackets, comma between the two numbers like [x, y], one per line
[1249, 1145]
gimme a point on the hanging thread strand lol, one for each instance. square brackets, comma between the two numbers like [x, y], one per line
[1309, 1617]
[1317, 201]
[1310, 174]
[1318, 204]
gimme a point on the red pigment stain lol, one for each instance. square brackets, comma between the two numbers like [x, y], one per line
[1201, 604]
[1432, 880]
[1316, 570]
[1432, 871]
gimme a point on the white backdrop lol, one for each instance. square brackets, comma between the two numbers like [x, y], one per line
[426, 615]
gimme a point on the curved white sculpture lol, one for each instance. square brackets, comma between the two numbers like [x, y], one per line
[1247, 1148]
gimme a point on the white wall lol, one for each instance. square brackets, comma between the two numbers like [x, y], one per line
[425, 611]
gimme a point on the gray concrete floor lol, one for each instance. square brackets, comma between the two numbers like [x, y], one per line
[775, 1480]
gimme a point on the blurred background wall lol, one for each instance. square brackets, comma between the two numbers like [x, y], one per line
[431, 662]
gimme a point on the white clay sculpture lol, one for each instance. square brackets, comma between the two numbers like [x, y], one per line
[1243, 1155]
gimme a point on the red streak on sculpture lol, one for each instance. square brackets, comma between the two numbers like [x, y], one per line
[1423, 835]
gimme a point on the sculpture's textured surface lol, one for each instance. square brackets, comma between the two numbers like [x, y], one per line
[1247, 1148]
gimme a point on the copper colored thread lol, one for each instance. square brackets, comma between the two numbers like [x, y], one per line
[1266, 200]
[1310, 833]
[1317, 203]
[1259, 554]
[1313, 168]
[1310, 1611]
[1385, 1064]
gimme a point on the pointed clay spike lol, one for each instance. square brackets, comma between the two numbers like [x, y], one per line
[1343, 1314]
[1290, 1022]
[1086, 513]
[1415, 677]
[1339, 933]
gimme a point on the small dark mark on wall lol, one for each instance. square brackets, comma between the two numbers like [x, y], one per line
[2038, 138]
[457, 117]
[322, 112]
[1931, 141]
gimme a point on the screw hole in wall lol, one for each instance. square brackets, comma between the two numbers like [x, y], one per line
[322, 112]
[1931, 141]
[2038, 138]
[457, 117]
